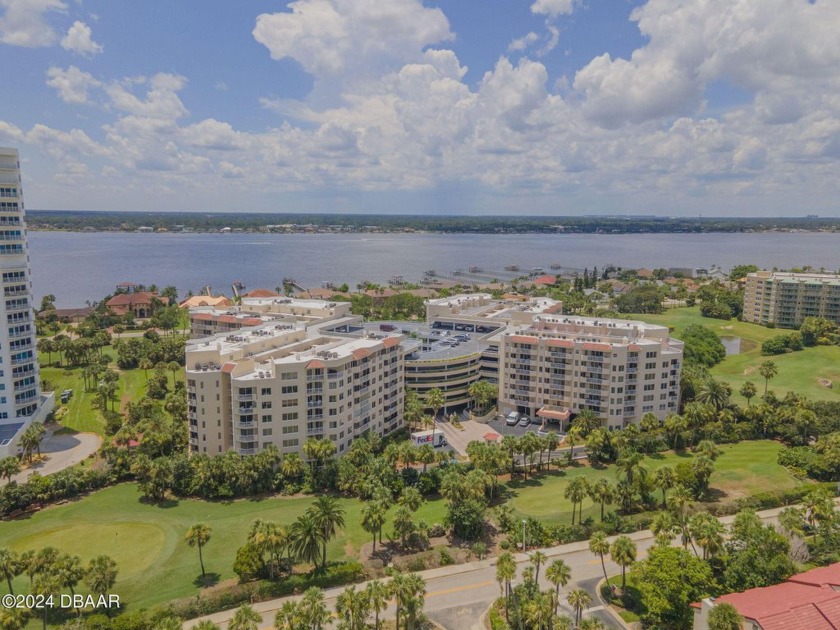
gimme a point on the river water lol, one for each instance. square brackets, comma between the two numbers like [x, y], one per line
[77, 267]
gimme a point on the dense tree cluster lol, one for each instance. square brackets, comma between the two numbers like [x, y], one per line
[702, 346]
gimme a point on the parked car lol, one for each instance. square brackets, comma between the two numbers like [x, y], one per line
[512, 419]
[524, 421]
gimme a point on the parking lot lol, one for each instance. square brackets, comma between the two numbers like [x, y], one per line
[499, 426]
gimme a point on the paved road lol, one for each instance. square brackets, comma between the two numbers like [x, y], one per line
[62, 451]
[457, 595]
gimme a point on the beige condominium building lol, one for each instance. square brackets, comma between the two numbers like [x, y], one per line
[210, 320]
[281, 383]
[784, 299]
[557, 365]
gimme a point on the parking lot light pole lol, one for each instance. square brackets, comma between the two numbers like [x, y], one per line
[524, 543]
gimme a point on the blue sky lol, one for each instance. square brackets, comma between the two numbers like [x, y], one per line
[675, 107]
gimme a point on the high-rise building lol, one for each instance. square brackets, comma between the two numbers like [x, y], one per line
[21, 401]
[784, 299]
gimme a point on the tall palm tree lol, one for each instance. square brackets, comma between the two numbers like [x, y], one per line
[9, 466]
[305, 537]
[538, 611]
[246, 618]
[768, 369]
[197, 536]
[576, 492]
[537, 558]
[373, 518]
[69, 571]
[748, 391]
[10, 567]
[13, 618]
[505, 572]
[602, 492]
[665, 478]
[329, 516]
[559, 574]
[681, 499]
[353, 608]
[292, 466]
[663, 528]
[708, 532]
[600, 546]
[101, 574]
[378, 596]
[313, 611]
[579, 600]
[623, 553]
[288, 617]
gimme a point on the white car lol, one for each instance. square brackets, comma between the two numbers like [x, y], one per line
[512, 419]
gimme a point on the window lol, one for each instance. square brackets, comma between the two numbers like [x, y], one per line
[289, 389]
[266, 404]
[266, 418]
[267, 432]
[265, 391]
[288, 417]
[288, 376]
[289, 402]
[290, 443]
[290, 429]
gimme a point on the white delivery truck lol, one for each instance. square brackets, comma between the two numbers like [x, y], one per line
[435, 438]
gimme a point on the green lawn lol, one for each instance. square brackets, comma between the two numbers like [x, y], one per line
[80, 415]
[743, 469]
[155, 565]
[798, 371]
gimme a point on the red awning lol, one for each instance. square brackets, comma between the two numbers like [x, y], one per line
[491, 437]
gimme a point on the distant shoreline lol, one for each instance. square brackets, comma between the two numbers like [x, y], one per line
[185, 223]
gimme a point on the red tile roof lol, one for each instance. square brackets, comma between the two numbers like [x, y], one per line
[361, 353]
[129, 299]
[390, 342]
[547, 280]
[788, 606]
[820, 576]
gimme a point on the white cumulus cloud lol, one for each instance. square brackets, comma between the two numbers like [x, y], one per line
[24, 22]
[333, 37]
[79, 40]
[553, 8]
[71, 84]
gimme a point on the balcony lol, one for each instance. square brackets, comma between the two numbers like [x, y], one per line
[246, 410]
[245, 397]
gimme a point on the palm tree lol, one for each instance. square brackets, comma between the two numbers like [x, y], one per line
[579, 600]
[292, 466]
[591, 624]
[679, 502]
[9, 466]
[197, 536]
[623, 553]
[246, 618]
[748, 390]
[378, 596]
[505, 572]
[576, 491]
[101, 574]
[550, 443]
[305, 537]
[559, 574]
[537, 558]
[205, 625]
[353, 608]
[13, 618]
[600, 546]
[714, 392]
[329, 516]
[665, 478]
[601, 492]
[69, 571]
[373, 518]
[10, 567]
[675, 425]
[435, 400]
[412, 409]
[288, 617]
[708, 532]
[312, 609]
[768, 369]
[538, 611]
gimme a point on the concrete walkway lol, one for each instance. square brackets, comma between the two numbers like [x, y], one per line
[61, 451]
